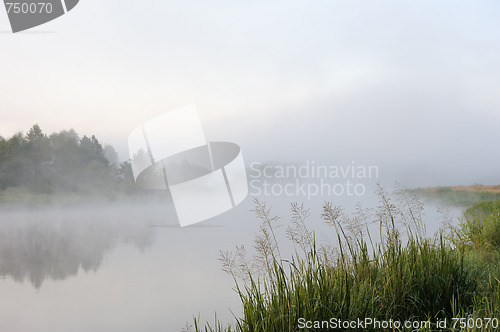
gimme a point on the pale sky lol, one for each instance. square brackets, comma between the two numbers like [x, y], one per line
[410, 86]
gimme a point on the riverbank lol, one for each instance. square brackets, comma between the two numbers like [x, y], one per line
[436, 283]
[463, 196]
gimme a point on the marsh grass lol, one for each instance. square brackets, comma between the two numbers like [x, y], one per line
[478, 235]
[402, 276]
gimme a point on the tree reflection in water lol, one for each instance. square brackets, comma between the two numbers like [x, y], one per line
[57, 244]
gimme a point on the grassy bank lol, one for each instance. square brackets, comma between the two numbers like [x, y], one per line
[463, 196]
[403, 277]
[22, 198]
[12, 198]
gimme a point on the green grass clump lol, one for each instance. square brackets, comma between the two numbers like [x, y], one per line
[478, 232]
[478, 235]
[403, 276]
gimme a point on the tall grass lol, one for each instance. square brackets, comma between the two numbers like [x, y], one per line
[478, 235]
[402, 276]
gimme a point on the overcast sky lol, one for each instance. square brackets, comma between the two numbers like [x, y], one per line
[412, 87]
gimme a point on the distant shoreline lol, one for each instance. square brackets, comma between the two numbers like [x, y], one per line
[15, 198]
[460, 195]
[473, 189]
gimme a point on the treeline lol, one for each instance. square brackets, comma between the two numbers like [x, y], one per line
[61, 163]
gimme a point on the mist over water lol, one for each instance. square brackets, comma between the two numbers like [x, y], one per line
[130, 267]
[113, 268]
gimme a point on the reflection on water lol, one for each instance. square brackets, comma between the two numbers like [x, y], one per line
[121, 267]
[37, 245]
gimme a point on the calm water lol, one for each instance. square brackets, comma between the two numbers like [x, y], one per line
[124, 267]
